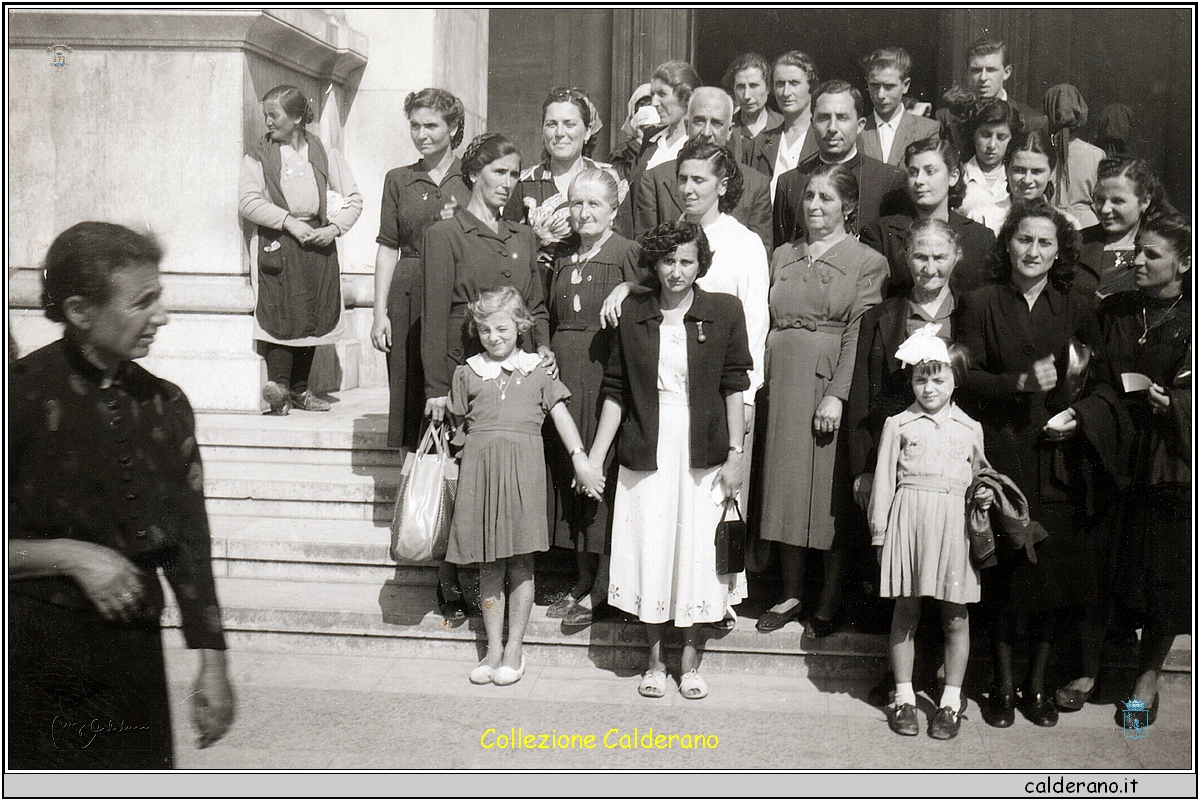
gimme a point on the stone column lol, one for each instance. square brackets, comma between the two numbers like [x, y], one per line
[142, 118]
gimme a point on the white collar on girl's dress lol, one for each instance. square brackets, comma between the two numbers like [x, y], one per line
[487, 368]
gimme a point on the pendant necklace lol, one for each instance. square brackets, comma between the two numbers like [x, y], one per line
[1146, 328]
[500, 382]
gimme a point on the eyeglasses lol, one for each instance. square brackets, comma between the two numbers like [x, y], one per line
[561, 93]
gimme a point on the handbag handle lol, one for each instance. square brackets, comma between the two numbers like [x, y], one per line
[732, 499]
[434, 439]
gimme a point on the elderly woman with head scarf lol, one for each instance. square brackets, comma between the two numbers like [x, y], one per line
[1078, 160]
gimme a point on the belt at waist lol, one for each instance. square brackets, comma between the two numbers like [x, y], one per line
[575, 325]
[934, 484]
[516, 429]
[826, 326]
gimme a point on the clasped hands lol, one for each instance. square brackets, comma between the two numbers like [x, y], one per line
[305, 234]
[589, 476]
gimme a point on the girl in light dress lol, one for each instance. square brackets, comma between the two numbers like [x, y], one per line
[499, 399]
[928, 455]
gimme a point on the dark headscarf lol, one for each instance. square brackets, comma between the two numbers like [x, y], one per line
[1066, 109]
[1115, 130]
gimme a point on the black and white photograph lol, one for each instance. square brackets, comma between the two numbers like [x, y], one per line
[855, 344]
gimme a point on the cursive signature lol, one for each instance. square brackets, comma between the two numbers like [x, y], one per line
[91, 729]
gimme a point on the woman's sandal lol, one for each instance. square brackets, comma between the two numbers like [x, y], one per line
[692, 687]
[654, 684]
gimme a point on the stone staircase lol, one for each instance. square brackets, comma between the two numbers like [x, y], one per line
[300, 506]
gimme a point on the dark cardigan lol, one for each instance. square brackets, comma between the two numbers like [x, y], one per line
[717, 367]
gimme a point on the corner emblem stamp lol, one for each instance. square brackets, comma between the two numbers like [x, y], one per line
[1137, 724]
[58, 55]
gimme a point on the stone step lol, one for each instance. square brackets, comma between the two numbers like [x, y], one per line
[402, 620]
[303, 549]
[365, 492]
[357, 421]
[299, 549]
[397, 619]
[340, 457]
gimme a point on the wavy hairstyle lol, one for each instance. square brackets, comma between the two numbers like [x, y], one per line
[842, 179]
[504, 299]
[663, 241]
[82, 259]
[1175, 229]
[949, 155]
[680, 76]
[483, 150]
[797, 58]
[995, 111]
[724, 165]
[292, 101]
[1145, 182]
[1062, 272]
[442, 103]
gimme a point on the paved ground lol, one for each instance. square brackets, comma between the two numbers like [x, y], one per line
[314, 711]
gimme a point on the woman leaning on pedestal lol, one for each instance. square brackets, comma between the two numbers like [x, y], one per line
[301, 196]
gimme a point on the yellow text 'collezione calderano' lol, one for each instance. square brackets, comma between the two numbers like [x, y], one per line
[517, 739]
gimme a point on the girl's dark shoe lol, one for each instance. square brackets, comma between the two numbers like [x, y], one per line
[945, 724]
[998, 708]
[1038, 709]
[902, 719]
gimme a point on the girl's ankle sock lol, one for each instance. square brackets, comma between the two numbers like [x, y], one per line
[951, 697]
[905, 694]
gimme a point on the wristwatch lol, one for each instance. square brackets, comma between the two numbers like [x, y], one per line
[737, 449]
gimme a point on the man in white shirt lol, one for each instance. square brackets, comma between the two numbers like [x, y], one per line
[890, 128]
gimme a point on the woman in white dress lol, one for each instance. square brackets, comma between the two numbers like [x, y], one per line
[674, 389]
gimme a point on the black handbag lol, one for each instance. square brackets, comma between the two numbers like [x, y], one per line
[731, 540]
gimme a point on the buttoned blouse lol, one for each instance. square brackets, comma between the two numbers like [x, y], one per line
[412, 202]
[114, 464]
[463, 257]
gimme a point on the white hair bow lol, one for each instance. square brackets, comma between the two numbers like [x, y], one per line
[923, 346]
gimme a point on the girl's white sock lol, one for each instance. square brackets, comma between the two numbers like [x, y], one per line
[951, 697]
[905, 694]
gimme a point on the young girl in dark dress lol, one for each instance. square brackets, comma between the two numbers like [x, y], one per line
[501, 397]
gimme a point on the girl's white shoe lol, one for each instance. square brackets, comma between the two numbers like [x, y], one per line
[505, 676]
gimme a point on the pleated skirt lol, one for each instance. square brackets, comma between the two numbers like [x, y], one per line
[500, 510]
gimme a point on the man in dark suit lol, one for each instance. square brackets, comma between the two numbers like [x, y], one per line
[988, 70]
[890, 128]
[838, 121]
[656, 197]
